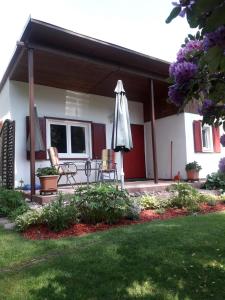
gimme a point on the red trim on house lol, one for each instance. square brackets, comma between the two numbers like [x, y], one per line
[39, 155]
[197, 131]
[216, 139]
[98, 140]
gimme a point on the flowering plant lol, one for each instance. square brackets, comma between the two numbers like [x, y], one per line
[199, 72]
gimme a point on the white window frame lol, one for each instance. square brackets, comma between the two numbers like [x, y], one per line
[68, 124]
[210, 139]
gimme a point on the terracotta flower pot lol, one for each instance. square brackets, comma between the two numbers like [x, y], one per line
[49, 183]
[192, 175]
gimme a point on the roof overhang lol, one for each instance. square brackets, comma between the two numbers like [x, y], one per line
[68, 60]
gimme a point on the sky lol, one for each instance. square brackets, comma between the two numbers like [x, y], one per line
[135, 24]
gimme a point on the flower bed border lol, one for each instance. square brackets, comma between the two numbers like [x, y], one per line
[41, 232]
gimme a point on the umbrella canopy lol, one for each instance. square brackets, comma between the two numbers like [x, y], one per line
[121, 135]
[39, 143]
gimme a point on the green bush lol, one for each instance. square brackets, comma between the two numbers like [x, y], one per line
[12, 203]
[215, 181]
[103, 203]
[31, 217]
[60, 214]
[185, 196]
[152, 202]
[205, 198]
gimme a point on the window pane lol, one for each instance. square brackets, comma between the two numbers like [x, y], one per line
[58, 137]
[204, 138]
[78, 139]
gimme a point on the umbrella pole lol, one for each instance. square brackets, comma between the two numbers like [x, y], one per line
[122, 172]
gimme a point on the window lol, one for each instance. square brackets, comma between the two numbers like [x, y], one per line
[71, 138]
[207, 140]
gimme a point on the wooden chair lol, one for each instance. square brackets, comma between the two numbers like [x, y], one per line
[108, 166]
[67, 169]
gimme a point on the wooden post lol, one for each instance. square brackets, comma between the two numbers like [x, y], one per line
[31, 119]
[155, 163]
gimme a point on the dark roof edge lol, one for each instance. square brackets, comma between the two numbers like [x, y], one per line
[25, 37]
[98, 41]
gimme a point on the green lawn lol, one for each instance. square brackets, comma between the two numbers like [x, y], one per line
[181, 258]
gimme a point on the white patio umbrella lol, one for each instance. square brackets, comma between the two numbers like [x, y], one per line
[39, 143]
[121, 135]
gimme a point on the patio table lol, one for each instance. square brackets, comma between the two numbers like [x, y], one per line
[87, 166]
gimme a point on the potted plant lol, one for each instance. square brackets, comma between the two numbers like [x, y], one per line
[192, 170]
[48, 179]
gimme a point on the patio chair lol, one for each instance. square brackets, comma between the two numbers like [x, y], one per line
[67, 169]
[107, 167]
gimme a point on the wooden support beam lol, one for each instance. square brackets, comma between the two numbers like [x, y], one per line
[31, 119]
[154, 152]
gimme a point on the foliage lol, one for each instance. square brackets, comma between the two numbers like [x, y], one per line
[160, 211]
[31, 217]
[103, 203]
[215, 181]
[207, 198]
[12, 203]
[184, 196]
[152, 202]
[59, 215]
[212, 202]
[193, 166]
[199, 72]
[47, 171]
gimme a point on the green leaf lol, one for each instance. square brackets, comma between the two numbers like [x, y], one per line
[213, 58]
[215, 20]
[174, 13]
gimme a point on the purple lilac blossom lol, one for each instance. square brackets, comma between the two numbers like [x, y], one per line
[206, 105]
[191, 46]
[222, 140]
[222, 165]
[175, 94]
[186, 4]
[214, 38]
[183, 71]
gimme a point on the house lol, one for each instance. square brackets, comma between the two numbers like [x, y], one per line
[71, 78]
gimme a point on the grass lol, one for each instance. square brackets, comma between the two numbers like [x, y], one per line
[181, 258]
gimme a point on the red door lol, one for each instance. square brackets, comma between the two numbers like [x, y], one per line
[134, 161]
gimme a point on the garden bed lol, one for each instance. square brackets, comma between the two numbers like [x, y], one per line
[41, 232]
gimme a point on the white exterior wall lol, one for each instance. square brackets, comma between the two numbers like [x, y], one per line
[208, 161]
[179, 129]
[5, 103]
[168, 129]
[53, 102]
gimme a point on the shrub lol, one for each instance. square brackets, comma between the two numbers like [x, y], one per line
[185, 196]
[12, 203]
[59, 214]
[205, 198]
[103, 203]
[31, 217]
[212, 202]
[160, 211]
[215, 181]
[151, 202]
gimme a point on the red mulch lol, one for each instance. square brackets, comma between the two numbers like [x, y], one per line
[41, 232]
